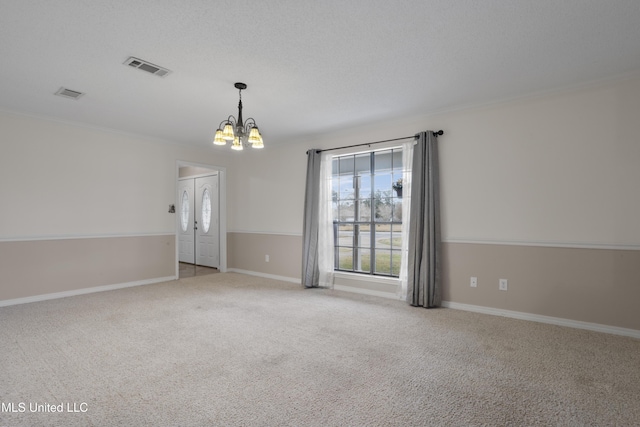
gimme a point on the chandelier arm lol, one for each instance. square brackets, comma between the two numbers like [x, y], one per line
[249, 124]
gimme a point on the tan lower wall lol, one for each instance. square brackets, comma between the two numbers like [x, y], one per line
[374, 284]
[246, 251]
[589, 285]
[38, 267]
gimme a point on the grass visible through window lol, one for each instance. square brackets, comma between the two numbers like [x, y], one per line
[387, 264]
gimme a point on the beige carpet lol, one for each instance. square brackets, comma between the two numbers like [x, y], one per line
[235, 350]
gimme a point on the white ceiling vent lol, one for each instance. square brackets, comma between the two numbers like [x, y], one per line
[146, 66]
[68, 93]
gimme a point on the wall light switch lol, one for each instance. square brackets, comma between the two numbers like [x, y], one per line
[502, 283]
[266, 258]
[474, 282]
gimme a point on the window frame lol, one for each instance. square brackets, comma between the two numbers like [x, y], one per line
[357, 224]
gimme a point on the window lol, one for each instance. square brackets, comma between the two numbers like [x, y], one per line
[206, 210]
[367, 212]
[184, 211]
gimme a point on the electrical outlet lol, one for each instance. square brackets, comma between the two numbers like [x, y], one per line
[473, 282]
[503, 284]
[266, 258]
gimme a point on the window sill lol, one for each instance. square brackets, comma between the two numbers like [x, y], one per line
[386, 287]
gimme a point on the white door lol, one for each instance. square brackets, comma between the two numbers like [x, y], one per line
[186, 210]
[207, 221]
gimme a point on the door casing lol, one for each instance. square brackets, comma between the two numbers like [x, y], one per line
[222, 185]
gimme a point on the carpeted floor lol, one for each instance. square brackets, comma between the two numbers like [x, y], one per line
[235, 350]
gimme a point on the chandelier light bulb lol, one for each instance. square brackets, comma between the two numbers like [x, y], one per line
[236, 144]
[227, 133]
[218, 139]
[254, 135]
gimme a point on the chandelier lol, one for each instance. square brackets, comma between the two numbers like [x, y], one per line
[239, 132]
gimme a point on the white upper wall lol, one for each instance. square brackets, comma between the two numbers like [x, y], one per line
[267, 192]
[557, 169]
[62, 180]
[561, 168]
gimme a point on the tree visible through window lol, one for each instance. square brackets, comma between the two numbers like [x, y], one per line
[367, 212]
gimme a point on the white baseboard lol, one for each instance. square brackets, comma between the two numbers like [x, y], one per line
[83, 291]
[265, 275]
[545, 319]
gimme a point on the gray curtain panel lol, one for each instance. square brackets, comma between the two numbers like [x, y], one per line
[424, 281]
[310, 270]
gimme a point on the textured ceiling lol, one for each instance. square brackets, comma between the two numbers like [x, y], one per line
[311, 67]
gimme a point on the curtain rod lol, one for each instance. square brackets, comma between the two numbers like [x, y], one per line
[435, 133]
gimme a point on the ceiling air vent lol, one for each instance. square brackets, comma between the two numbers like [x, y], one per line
[146, 66]
[68, 93]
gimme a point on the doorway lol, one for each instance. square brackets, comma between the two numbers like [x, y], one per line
[198, 209]
[200, 220]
